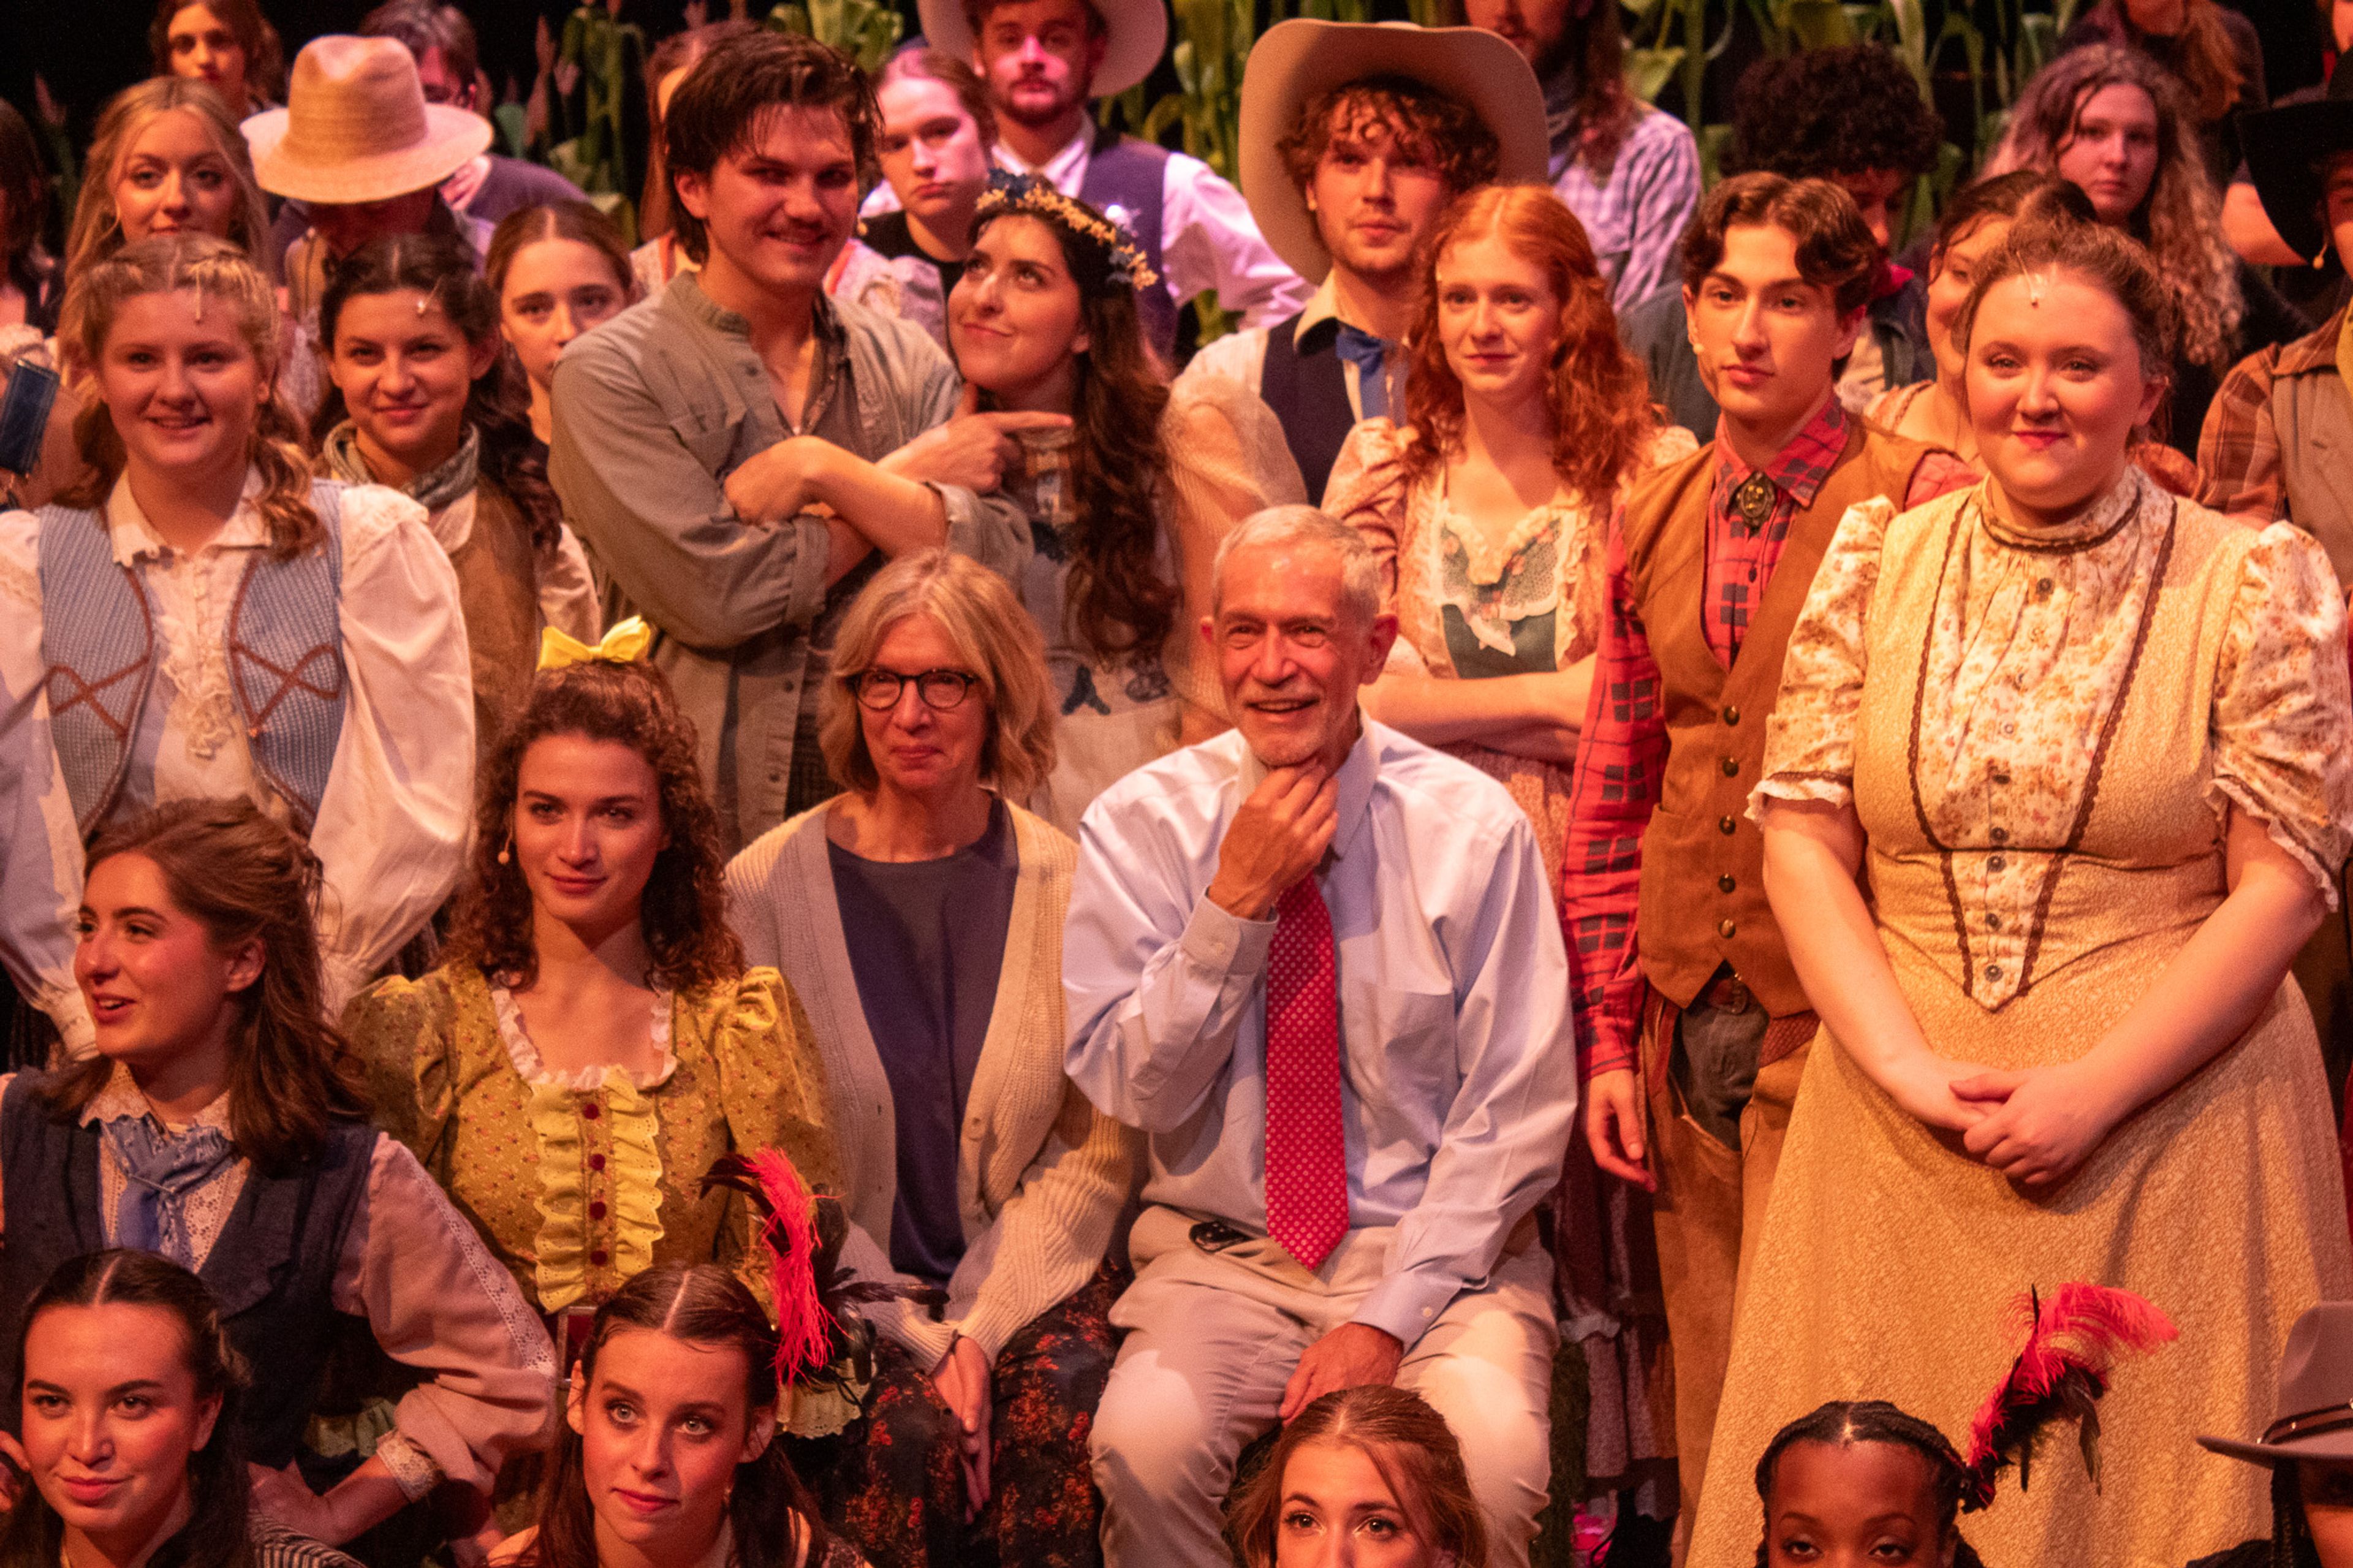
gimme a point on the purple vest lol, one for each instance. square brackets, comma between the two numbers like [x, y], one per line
[1129, 174]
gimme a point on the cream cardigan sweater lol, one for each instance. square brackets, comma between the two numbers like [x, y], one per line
[1041, 1175]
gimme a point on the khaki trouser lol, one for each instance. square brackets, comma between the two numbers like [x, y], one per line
[1213, 1341]
[1708, 1212]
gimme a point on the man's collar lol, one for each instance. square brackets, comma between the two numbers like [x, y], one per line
[1313, 335]
[1062, 165]
[687, 292]
[1801, 466]
[1357, 770]
[2316, 349]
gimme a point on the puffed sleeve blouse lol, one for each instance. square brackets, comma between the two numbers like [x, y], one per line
[2056, 626]
[391, 820]
[579, 1181]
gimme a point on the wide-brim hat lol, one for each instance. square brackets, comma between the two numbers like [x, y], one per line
[356, 127]
[1296, 61]
[1136, 33]
[2315, 1419]
[2285, 147]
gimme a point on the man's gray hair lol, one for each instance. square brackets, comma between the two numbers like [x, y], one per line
[1360, 572]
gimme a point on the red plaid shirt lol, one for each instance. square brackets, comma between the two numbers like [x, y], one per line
[1621, 757]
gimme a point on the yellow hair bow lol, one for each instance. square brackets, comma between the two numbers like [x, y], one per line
[624, 643]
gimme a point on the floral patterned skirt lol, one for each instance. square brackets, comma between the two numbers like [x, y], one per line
[891, 1481]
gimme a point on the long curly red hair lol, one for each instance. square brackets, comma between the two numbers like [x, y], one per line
[1598, 396]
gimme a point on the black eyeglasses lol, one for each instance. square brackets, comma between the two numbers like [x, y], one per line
[940, 689]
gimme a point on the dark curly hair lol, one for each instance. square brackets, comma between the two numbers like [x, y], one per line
[1598, 396]
[442, 267]
[1843, 1422]
[1118, 600]
[683, 912]
[1835, 250]
[1424, 120]
[1820, 113]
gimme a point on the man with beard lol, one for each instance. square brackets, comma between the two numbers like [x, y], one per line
[1044, 61]
[1629, 173]
[739, 450]
[1318, 963]
[1354, 138]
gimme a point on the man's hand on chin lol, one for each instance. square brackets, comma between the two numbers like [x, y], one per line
[1349, 1356]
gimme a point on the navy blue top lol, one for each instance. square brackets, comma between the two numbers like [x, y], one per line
[926, 941]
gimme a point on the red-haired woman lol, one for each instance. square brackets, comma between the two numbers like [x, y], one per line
[1526, 419]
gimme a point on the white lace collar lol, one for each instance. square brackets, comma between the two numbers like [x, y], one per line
[515, 1035]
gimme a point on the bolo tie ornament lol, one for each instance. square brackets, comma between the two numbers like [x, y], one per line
[825, 1351]
[2071, 1342]
[1753, 500]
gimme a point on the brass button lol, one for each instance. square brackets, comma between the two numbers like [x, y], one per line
[1993, 972]
[1996, 864]
[1725, 883]
[1993, 922]
[1731, 714]
[1731, 766]
[1724, 928]
[2042, 584]
[2009, 726]
[1726, 826]
[2000, 834]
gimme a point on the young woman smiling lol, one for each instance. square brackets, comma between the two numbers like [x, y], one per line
[667, 1456]
[919, 917]
[223, 1125]
[340, 703]
[427, 402]
[129, 1429]
[2087, 742]
[937, 129]
[595, 1041]
[556, 271]
[1126, 505]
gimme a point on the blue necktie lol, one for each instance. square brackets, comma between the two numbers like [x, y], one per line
[1370, 355]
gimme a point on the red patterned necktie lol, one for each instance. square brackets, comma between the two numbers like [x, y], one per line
[1306, 1155]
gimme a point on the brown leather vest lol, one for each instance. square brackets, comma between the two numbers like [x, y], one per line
[1703, 891]
[497, 589]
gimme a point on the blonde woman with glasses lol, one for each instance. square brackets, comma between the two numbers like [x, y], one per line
[919, 918]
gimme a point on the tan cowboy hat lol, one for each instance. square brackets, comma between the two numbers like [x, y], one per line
[356, 127]
[2315, 1418]
[1136, 36]
[1296, 61]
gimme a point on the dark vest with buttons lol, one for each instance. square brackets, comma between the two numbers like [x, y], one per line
[1131, 174]
[272, 1270]
[1703, 890]
[100, 651]
[1307, 386]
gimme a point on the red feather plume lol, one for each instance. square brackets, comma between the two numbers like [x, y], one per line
[788, 1235]
[2061, 1374]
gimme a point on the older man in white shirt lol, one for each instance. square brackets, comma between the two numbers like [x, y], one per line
[1319, 964]
[1045, 61]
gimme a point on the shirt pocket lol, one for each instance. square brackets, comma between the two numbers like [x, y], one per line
[1417, 1062]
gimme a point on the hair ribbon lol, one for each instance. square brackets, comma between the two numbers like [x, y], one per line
[624, 643]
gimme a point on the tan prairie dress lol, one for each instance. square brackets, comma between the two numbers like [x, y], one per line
[2041, 736]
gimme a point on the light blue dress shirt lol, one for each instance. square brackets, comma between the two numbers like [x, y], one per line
[1459, 1066]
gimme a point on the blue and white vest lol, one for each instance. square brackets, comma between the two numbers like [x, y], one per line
[98, 652]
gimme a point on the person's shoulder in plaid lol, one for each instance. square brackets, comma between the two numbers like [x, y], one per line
[2239, 459]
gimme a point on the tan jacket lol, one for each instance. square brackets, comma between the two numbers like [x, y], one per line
[1041, 1176]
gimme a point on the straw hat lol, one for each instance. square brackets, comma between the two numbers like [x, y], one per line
[1296, 61]
[356, 127]
[2285, 147]
[2316, 1394]
[1136, 34]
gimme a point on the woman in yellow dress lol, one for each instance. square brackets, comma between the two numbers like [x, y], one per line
[2087, 746]
[595, 1041]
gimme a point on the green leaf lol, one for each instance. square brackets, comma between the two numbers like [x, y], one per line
[1648, 71]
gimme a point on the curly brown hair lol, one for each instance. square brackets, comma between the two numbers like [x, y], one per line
[684, 910]
[245, 876]
[1597, 394]
[1425, 122]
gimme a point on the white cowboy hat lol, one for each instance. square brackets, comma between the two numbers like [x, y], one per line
[356, 127]
[1294, 60]
[1136, 36]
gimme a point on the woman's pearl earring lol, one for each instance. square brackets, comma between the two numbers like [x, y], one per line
[506, 852]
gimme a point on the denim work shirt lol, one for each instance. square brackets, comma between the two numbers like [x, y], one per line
[654, 409]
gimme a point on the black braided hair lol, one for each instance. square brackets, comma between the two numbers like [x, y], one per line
[1842, 1423]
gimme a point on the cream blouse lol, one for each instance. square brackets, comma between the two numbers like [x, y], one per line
[392, 821]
